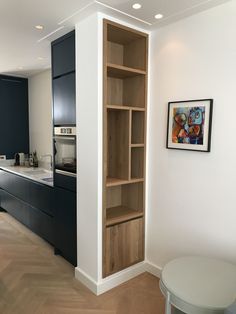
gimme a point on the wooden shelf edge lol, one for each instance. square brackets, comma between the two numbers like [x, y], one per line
[125, 69]
[137, 145]
[124, 107]
[114, 182]
[120, 214]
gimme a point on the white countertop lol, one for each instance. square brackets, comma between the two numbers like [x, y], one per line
[40, 175]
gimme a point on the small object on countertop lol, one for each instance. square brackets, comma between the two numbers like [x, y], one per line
[35, 159]
[31, 161]
[22, 159]
[26, 160]
[17, 160]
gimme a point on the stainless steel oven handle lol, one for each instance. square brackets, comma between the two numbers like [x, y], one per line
[64, 137]
[66, 173]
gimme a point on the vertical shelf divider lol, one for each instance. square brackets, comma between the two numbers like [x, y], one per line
[130, 135]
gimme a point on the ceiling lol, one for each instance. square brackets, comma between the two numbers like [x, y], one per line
[24, 50]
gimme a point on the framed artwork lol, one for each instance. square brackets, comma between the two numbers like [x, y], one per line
[189, 125]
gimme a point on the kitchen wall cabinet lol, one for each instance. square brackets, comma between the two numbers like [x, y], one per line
[125, 93]
[64, 100]
[29, 202]
[65, 224]
[14, 121]
[63, 75]
[63, 55]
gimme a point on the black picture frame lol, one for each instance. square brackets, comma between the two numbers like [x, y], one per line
[189, 125]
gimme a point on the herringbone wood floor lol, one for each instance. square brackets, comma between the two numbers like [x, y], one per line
[34, 281]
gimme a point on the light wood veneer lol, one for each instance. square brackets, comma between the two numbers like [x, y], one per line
[125, 93]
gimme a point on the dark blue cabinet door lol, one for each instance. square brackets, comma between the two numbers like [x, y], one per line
[33, 218]
[64, 182]
[29, 202]
[14, 123]
[65, 236]
[63, 55]
[64, 100]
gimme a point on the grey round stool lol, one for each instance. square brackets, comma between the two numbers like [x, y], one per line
[198, 285]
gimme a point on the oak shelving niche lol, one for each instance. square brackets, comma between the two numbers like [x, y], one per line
[125, 89]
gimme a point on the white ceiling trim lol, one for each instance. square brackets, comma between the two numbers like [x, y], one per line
[122, 12]
[76, 13]
[52, 33]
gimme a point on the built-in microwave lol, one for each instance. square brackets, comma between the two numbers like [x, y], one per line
[65, 150]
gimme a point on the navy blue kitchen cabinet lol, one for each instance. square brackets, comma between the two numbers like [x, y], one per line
[64, 100]
[63, 74]
[14, 121]
[29, 202]
[65, 240]
[65, 182]
[63, 55]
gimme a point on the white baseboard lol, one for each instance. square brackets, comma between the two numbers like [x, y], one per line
[116, 279]
[86, 280]
[153, 269]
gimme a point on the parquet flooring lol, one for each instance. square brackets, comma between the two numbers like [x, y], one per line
[35, 281]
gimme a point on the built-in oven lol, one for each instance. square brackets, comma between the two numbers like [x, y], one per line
[65, 150]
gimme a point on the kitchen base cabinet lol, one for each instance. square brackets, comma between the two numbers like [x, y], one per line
[33, 218]
[29, 202]
[124, 245]
[65, 224]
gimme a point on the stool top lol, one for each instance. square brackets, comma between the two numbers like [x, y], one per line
[200, 281]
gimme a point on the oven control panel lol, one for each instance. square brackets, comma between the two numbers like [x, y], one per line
[64, 130]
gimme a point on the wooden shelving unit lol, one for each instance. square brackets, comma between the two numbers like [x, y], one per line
[125, 93]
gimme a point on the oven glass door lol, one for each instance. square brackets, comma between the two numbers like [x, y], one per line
[65, 153]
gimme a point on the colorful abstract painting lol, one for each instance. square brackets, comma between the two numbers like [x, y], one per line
[189, 124]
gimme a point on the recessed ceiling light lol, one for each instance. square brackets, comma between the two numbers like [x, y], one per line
[136, 6]
[158, 16]
[40, 58]
[40, 27]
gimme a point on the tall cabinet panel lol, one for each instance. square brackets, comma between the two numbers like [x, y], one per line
[64, 115]
[63, 55]
[63, 75]
[14, 121]
[64, 99]
[125, 93]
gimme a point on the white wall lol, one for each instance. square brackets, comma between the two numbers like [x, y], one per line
[40, 113]
[192, 195]
[89, 145]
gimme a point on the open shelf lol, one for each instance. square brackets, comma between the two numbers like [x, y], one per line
[114, 181]
[137, 145]
[126, 48]
[137, 162]
[118, 144]
[125, 107]
[124, 202]
[120, 71]
[129, 90]
[138, 121]
[119, 214]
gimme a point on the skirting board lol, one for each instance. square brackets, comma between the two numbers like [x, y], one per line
[115, 280]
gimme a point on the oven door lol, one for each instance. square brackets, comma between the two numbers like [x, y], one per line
[65, 155]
